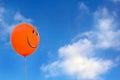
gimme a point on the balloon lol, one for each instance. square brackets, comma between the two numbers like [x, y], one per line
[25, 39]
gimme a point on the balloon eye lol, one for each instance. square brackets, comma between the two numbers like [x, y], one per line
[37, 34]
[33, 31]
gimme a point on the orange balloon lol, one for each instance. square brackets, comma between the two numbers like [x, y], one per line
[25, 39]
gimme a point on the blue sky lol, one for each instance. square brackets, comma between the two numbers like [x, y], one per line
[79, 39]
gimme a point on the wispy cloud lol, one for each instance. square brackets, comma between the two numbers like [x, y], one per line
[107, 36]
[84, 7]
[8, 23]
[19, 17]
[116, 0]
[78, 59]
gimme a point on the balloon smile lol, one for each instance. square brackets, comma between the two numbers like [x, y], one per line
[30, 44]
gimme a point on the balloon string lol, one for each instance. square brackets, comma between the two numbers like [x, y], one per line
[25, 66]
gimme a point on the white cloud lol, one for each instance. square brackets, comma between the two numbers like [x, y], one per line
[77, 48]
[78, 59]
[85, 68]
[8, 23]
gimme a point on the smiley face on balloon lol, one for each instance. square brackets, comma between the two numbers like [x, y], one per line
[25, 39]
